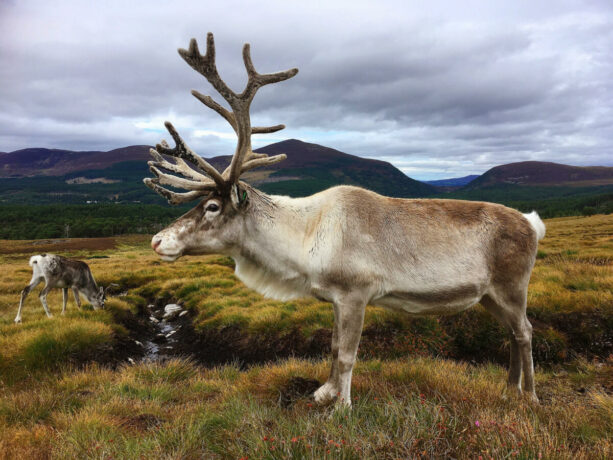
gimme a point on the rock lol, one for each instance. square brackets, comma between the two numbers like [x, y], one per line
[131, 361]
[184, 312]
[153, 319]
[170, 333]
[159, 338]
[150, 306]
[140, 344]
[172, 310]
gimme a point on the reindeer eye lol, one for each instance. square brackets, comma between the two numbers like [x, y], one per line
[213, 207]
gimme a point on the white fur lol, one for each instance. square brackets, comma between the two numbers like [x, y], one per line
[537, 224]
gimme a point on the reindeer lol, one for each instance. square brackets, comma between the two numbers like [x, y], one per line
[345, 245]
[61, 272]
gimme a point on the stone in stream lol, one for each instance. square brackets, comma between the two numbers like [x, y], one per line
[171, 310]
[159, 338]
[184, 312]
[153, 319]
[170, 333]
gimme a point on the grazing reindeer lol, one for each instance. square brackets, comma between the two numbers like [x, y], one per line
[346, 245]
[61, 272]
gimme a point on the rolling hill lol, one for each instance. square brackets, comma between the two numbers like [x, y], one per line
[452, 182]
[55, 162]
[37, 176]
[542, 173]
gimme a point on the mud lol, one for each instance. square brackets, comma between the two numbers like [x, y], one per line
[297, 388]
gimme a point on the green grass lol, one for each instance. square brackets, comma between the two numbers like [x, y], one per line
[409, 400]
[402, 409]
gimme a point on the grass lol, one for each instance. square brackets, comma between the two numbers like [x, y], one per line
[411, 400]
[402, 409]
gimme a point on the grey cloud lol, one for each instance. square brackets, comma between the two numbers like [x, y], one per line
[466, 86]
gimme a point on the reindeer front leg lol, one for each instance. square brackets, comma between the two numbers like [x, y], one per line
[328, 391]
[64, 299]
[43, 299]
[349, 320]
[77, 299]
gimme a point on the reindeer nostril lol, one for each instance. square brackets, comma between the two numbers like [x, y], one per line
[156, 243]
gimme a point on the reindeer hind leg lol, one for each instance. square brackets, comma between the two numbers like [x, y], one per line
[64, 299]
[515, 362]
[24, 293]
[43, 299]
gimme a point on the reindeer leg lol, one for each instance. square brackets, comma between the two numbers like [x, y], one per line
[33, 283]
[350, 331]
[327, 392]
[43, 299]
[77, 299]
[350, 312]
[515, 362]
[512, 302]
[64, 299]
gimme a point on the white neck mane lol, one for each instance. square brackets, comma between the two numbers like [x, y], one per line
[273, 259]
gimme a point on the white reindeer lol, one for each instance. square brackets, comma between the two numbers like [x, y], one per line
[346, 245]
[61, 272]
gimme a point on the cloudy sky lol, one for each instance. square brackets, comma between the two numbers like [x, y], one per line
[446, 90]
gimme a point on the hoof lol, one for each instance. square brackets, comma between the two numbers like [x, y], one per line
[532, 398]
[511, 392]
[17, 320]
[325, 394]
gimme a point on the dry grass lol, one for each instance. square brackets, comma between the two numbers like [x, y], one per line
[404, 408]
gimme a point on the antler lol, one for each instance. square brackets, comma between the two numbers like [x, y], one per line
[243, 159]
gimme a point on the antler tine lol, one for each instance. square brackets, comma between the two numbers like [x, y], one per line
[262, 161]
[182, 151]
[257, 80]
[172, 197]
[205, 65]
[180, 166]
[267, 129]
[179, 182]
[211, 104]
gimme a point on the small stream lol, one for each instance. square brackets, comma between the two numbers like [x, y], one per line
[165, 323]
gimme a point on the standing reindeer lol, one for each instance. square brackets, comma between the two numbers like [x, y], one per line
[61, 272]
[346, 245]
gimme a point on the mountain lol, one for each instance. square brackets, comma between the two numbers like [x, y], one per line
[46, 175]
[539, 173]
[56, 162]
[453, 182]
[310, 168]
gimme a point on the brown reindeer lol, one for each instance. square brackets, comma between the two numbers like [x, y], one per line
[64, 273]
[346, 245]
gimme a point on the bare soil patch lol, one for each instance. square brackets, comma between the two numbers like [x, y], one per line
[57, 245]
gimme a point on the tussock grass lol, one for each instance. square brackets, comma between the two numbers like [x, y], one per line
[411, 406]
[402, 409]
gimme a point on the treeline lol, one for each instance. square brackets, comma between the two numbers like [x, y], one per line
[25, 222]
[549, 202]
[97, 220]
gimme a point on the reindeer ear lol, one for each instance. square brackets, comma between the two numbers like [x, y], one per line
[238, 196]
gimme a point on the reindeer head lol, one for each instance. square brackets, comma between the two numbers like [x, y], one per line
[215, 225]
[98, 298]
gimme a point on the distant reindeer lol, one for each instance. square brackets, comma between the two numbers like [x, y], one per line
[61, 272]
[346, 245]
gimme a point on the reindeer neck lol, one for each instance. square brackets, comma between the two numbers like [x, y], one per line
[271, 258]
